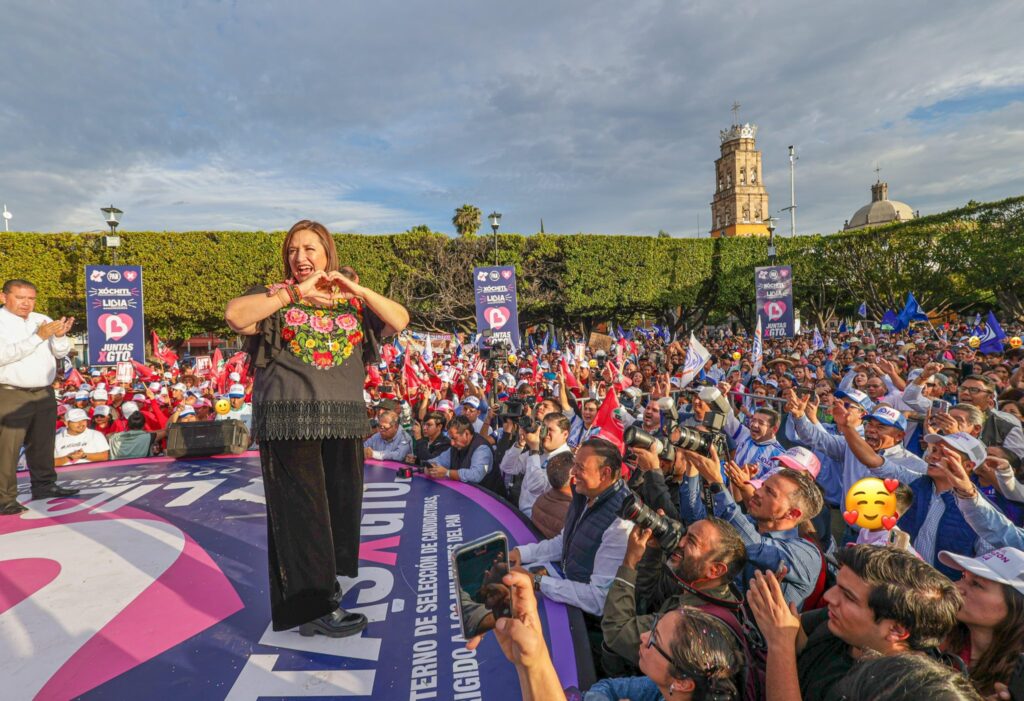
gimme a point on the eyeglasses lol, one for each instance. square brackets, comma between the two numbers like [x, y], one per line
[973, 390]
[652, 640]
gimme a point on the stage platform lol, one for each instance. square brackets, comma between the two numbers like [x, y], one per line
[152, 584]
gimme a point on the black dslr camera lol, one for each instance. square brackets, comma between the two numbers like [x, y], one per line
[517, 411]
[635, 437]
[714, 421]
[668, 532]
[494, 351]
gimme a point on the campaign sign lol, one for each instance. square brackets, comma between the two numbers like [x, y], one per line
[152, 584]
[496, 308]
[773, 287]
[113, 295]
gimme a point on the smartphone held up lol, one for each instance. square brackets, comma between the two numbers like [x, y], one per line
[478, 568]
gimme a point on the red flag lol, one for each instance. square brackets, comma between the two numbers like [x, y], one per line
[145, 373]
[218, 370]
[412, 380]
[75, 378]
[432, 377]
[608, 424]
[161, 351]
[570, 379]
[373, 378]
[388, 352]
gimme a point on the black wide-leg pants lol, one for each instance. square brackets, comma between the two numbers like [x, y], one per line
[314, 492]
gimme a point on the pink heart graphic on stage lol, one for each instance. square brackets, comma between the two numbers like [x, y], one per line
[784, 272]
[130, 275]
[775, 310]
[115, 326]
[496, 317]
[506, 274]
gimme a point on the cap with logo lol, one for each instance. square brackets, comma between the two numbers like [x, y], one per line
[1005, 566]
[855, 396]
[961, 442]
[236, 391]
[101, 410]
[472, 402]
[74, 415]
[889, 417]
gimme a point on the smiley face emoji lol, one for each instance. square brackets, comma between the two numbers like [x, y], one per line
[871, 504]
[222, 406]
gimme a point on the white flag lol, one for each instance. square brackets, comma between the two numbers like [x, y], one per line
[757, 353]
[696, 356]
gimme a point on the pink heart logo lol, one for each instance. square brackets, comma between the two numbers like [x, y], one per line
[506, 274]
[775, 310]
[496, 317]
[115, 326]
[130, 275]
[784, 272]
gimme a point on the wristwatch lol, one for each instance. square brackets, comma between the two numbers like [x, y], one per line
[536, 581]
[716, 487]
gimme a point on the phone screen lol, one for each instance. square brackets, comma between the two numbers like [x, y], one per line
[483, 598]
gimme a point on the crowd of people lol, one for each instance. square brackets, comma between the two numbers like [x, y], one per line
[840, 521]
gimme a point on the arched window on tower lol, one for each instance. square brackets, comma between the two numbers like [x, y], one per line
[753, 176]
[743, 176]
[746, 214]
[757, 214]
[728, 180]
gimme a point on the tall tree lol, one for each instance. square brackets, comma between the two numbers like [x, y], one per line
[467, 220]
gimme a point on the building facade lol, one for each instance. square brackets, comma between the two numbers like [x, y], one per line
[740, 206]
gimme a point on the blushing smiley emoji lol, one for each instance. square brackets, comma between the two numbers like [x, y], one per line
[871, 504]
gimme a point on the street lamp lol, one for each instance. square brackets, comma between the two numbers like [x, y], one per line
[113, 240]
[771, 240]
[495, 218]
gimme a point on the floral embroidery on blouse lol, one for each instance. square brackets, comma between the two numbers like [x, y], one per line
[323, 338]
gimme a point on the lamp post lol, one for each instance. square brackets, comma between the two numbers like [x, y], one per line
[113, 240]
[7, 219]
[495, 218]
[771, 240]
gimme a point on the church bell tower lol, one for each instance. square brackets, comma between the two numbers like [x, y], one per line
[740, 206]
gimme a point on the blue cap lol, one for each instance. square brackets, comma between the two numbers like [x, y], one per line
[855, 395]
[889, 416]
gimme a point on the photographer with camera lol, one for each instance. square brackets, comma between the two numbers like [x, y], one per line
[659, 471]
[770, 529]
[538, 442]
[429, 439]
[683, 567]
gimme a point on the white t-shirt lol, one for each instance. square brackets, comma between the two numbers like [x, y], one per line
[89, 440]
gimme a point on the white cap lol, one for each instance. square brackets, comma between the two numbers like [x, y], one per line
[962, 442]
[444, 405]
[1005, 565]
[180, 386]
[154, 386]
[101, 410]
[116, 390]
[186, 410]
[129, 408]
[471, 401]
[100, 394]
[74, 415]
[234, 377]
[236, 391]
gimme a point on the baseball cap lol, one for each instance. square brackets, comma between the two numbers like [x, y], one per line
[855, 396]
[961, 442]
[235, 377]
[1005, 565]
[444, 405]
[129, 408]
[81, 394]
[100, 394]
[236, 391]
[116, 390]
[180, 386]
[889, 416]
[138, 397]
[507, 379]
[187, 410]
[471, 401]
[801, 459]
[202, 401]
[76, 415]
[94, 372]
[101, 410]
[154, 386]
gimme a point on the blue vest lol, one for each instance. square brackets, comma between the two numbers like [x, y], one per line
[584, 529]
[953, 533]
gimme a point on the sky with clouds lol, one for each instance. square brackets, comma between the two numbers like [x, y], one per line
[597, 116]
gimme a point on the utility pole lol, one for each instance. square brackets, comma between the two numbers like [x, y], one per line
[793, 158]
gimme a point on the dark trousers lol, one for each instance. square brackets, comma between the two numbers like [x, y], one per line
[314, 491]
[27, 417]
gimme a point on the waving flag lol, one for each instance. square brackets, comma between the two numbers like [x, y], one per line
[911, 312]
[428, 349]
[544, 343]
[554, 342]
[842, 326]
[162, 352]
[818, 342]
[608, 423]
[570, 379]
[863, 310]
[829, 345]
[71, 375]
[757, 352]
[144, 373]
[890, 319]
[992, 338]
[696, 356]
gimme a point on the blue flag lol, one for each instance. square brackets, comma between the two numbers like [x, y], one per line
[890, 319]
[554, 342]
[842, 326]
[620, 332]
[818, 342]
[863, 310]
[398, 347]
[992, 338]
[911, 312]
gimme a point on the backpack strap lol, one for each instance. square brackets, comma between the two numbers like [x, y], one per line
[815, 600]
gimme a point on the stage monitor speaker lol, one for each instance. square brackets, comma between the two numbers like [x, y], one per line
[202, 438]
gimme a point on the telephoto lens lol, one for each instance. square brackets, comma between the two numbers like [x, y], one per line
[635, 437]
[697, 441]
[666, 531]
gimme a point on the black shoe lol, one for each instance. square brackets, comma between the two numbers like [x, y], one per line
[11, 508]
[336, 596]
[337, 624]
[54, 491]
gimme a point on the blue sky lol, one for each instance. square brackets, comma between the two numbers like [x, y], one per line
[596, 116]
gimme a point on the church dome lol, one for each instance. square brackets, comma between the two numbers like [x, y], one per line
[881, 210]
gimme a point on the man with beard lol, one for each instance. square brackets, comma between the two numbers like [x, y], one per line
[697, 572]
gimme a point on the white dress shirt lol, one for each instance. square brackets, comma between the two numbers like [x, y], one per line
[25, 359]
[589, 596]
[88, 441]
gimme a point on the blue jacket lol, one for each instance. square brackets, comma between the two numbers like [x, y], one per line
[954, 533]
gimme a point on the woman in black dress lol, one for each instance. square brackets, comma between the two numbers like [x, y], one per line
[311, 336]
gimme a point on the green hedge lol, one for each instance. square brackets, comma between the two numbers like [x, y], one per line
[963, 260]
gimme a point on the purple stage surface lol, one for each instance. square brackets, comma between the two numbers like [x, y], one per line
[152, 584]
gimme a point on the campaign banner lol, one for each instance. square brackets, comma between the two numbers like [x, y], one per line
[773, 287]
[171, 556]
[114, 314]
[496, 308]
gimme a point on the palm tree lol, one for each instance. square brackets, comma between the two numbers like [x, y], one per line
[467, 220]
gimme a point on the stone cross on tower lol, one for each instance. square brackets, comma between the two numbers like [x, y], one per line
[878, 169]
[735, 112]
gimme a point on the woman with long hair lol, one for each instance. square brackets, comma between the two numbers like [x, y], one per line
[989, 636]
[311, 335]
